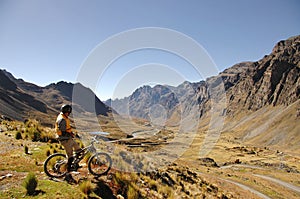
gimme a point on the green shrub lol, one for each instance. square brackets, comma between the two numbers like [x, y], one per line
[26, 149]
[132, 192]
[30, 183]
[153, 185]
[18, 135]
[48, 152]
[87, 187]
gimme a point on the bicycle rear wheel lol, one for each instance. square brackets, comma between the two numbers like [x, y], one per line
[55, 166]
[99, 164]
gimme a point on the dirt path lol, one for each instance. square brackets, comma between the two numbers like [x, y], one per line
[285, 184]
[242, 165]
[259, 194]
[247, 188]
[280, 182]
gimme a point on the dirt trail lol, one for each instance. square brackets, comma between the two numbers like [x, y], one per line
[259, 194]
[285, 184]
[242, 165]
[282, 183]
[247, 188]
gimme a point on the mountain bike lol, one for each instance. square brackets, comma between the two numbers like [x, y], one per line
[99, 163]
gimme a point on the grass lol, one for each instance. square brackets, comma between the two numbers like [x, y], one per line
[30, 184]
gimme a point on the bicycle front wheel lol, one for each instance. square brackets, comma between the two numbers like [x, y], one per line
[55, 166]
[99, 164]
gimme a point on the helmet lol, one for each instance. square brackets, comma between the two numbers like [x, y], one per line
[66, 108]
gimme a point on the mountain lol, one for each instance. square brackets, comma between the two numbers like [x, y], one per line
[15, 103]
[262, 98]
[249, 85]
[20, 100]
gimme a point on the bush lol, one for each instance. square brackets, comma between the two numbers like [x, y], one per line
[48, 152]
[26, 149]
[87, 187]
[18, 135]
[30, 183]
[132, 192]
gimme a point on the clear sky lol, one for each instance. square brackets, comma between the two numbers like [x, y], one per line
[45, 41]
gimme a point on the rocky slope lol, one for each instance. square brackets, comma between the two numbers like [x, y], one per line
[273, 80]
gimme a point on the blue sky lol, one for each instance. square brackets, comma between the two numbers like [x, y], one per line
[49, 40]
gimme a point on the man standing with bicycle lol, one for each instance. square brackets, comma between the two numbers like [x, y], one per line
[65, 136]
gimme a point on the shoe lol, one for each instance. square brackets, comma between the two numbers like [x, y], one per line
[70, 179]
[78, 154]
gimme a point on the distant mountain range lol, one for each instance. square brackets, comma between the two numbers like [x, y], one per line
[273, 80]
[262, 105]
[21, 100]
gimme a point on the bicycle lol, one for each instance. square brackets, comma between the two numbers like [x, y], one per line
[99, 163]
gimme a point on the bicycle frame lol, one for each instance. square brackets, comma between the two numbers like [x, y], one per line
[84, 151]
[99, 163]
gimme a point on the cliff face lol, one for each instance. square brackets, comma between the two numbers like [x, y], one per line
[273, 80]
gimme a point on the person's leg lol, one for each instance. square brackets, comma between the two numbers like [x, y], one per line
[75, 145]
[68, 145]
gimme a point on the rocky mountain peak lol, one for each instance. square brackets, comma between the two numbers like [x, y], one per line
[289, 46]
[273, 80]
[6, 82]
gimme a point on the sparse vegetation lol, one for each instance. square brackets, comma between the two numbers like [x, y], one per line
[26, 150]
[18, 135]
[30, 183]
[87, 187]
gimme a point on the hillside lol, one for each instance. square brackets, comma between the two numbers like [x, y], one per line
[16, 103]
[22, 100]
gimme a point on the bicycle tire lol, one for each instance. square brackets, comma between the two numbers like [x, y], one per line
[52, 166]
[99, 164]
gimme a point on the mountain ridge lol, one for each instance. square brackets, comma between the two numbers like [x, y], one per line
[263, 80]
[20, 99]
[262, 105]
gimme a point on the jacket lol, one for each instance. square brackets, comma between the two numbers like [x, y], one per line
[63, 127]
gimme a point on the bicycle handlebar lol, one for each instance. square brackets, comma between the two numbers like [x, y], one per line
[94, 140]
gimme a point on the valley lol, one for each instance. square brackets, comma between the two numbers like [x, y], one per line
[232, 169]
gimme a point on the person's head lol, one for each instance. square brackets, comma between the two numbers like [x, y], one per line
[66, 109]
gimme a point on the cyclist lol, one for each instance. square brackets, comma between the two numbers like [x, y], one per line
[65, 136]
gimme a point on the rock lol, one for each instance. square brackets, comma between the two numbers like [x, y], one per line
[209, 162]
[9, 175]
